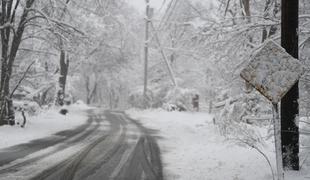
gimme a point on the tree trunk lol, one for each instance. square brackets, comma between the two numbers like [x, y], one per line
[9, 49]
[246, 5]
[64, 66]
[289, 103]
[3, 77]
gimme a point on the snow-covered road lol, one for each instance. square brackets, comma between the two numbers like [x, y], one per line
[108, 146]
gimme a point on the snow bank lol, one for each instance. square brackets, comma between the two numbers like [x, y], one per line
[43, 125]
[192, 148]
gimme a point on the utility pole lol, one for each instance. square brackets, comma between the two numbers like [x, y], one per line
[289, 103]
[146, 49]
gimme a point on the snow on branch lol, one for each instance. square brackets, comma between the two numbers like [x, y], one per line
[21, 79]
[52, 21]
[304, 16]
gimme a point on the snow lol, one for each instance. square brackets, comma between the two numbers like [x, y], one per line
[43, 125]
[192, 148]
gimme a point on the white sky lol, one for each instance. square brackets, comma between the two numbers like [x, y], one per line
[140, 4]
[157, 4]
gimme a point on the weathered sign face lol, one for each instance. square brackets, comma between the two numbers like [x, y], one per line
[272, 71]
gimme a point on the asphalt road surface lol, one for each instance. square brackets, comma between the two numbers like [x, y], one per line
[109, 146]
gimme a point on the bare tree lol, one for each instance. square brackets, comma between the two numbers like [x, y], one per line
[11, 38]
[15, 18]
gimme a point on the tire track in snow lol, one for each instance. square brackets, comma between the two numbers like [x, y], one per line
[124, 151]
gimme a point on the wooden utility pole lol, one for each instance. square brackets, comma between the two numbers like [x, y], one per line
[289, 103]
[146, 49]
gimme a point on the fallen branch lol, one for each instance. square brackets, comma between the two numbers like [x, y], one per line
[164, 56]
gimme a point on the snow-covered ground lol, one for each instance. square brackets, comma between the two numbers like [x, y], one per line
[43, 125]
[193, 149]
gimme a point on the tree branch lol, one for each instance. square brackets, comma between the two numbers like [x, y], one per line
[20, 81]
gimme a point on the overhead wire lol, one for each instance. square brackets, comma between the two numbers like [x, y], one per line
[168, 13]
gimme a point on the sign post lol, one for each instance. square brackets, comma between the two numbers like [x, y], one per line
[273, 72]
[277, 140]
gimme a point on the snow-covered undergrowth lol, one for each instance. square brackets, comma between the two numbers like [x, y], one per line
[193, 148]
[46, 123]
[166, 97]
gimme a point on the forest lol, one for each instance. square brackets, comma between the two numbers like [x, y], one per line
[93, 51]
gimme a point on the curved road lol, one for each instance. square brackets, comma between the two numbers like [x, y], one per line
[109, 146]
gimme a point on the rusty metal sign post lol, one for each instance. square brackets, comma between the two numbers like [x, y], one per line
[273, 72]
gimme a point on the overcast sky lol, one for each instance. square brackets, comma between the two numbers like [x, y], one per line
[140, 4]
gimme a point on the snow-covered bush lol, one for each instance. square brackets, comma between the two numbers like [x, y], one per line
[137, 99]
[170, 99]
[159, 93]
[173, 107]
[31, 107]
[24, 109]
[243, 109]
[179, 99]
[80, 104]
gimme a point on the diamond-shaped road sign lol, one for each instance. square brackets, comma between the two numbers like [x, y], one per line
[272, 71]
